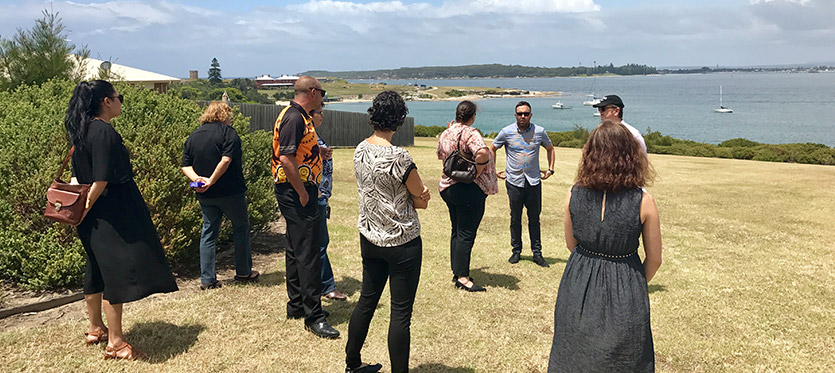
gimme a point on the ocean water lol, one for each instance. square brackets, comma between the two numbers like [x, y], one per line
[772, 108]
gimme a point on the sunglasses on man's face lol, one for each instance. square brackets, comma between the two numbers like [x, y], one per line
[523, 113]
[320, 90]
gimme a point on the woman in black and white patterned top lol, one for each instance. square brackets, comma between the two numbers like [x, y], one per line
[389, 190]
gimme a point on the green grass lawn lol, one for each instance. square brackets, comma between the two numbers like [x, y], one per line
[747, 284]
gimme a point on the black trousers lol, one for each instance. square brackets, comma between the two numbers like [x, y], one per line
[302, 258]
[466, 208]
[529, 197]
[402, 264]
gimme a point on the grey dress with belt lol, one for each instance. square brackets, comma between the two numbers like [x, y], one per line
[601, 319]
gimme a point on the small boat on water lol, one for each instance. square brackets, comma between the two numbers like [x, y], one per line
[721, 108]
[560, 105]
[593, 101]
[596, 113]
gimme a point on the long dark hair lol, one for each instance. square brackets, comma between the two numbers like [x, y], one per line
[612, 160]
[85, 104]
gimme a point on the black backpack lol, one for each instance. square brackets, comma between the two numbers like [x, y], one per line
[459, 167]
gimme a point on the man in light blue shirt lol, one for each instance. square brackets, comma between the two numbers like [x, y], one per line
[523, 177]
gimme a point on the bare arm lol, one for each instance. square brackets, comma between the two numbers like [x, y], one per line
[420, 193]
[651, 235]
[291, 171]
[220, 169]
[551, 159]
[499, 173]
[92, 196]
[570, 241]
[482, 158]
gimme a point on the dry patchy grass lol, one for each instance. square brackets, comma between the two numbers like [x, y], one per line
[746, 285]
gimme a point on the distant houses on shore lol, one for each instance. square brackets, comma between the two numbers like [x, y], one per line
[284, 81]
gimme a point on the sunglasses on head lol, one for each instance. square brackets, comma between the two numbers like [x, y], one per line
[523, 113]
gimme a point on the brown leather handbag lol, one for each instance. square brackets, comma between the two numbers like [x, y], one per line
[65, 202]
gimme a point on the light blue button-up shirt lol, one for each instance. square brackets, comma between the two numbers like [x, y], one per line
[522, 149]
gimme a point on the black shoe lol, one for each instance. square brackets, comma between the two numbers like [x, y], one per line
[514, 258]
[323, 329]
[365, 369]
[538, 259]
[214, 285]
[473, 289]
[300, 315]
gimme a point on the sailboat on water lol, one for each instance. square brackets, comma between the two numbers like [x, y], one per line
[721, 108]
[593, 100]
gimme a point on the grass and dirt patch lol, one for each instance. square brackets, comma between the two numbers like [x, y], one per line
[747, 284]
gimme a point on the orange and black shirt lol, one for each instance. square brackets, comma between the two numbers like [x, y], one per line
[294, 134]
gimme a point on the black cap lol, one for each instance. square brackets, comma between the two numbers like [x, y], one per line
[610, 100]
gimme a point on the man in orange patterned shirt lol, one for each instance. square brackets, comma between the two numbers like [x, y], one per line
[297, 170]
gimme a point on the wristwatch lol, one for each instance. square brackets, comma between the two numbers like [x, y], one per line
[551, 171]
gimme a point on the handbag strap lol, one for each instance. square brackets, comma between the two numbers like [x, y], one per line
[458, 143]
[64, 164]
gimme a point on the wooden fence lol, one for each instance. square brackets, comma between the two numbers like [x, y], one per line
[340, 128]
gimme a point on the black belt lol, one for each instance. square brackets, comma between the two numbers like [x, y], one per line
[607, 256]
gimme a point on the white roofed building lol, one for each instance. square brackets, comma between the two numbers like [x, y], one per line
[266, 81]
[146, 79]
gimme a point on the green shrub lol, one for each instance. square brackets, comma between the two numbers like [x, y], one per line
[455, 93]
[36, 253]
[428, 131]
[739, 143]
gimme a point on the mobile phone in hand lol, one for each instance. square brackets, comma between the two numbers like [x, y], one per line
[196, 184]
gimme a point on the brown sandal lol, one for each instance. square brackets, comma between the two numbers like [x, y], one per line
[95, 338]
[114, 352]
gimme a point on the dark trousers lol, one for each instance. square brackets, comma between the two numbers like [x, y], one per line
[302, 259]
[466, 208]
[529, 197]
[402, 263]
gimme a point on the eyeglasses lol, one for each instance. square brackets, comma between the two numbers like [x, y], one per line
[121, 98]
[320, 90]
[523, 113]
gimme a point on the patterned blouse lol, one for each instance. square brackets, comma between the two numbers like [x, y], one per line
[387, 216]
[472, 141]
[326, 185]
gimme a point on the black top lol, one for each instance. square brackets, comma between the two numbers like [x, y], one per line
[203, 151]
[103, 156]
[291, 130]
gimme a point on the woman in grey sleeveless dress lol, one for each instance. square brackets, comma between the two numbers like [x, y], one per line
[601, 320]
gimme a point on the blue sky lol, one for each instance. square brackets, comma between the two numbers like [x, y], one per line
[250, 38]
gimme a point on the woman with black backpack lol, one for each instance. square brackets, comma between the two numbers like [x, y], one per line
[465, 198]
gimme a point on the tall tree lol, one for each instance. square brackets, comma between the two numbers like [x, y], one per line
[214, 72]
[39, 54]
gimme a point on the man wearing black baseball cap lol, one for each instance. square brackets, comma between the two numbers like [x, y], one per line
[611, 108]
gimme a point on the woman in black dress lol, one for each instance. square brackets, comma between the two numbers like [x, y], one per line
[125, 260]
[601, 320]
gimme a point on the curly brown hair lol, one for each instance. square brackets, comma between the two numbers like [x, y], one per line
[612, 160]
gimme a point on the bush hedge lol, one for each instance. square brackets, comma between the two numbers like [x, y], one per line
[37, 253]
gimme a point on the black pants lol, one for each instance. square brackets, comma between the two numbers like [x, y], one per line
[530, 196]
[402, 263]
[302, 259]
[466, 208]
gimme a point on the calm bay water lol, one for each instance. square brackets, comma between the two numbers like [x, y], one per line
[771, 108]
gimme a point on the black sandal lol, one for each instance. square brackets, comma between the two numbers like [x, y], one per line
[253, 275]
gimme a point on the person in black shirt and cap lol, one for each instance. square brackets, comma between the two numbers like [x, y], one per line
[611, 108]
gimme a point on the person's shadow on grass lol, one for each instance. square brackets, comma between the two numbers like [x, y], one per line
[435, 367]
[655, 287]
[161, 341]
[494, 279]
